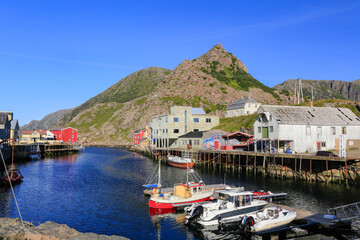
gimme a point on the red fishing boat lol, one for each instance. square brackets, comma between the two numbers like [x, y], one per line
[183, 194]
[14, 177]
[180, 162]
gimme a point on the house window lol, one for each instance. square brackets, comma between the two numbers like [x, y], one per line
[255, 105]
[72, 136]
[196, 130]
[196, 119]
[259, 129]
[208, 120]
[247, 112]
[176, 130]
[323, 144]
[270, 117]
[343, 130]
[308, 130]
[166, 119]
[333, 130]
[271, 128]
[166, 130]
[176, 119]
[319, 132]
[259, 119]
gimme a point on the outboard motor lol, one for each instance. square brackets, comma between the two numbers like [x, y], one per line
[247, 223]
[195, 215]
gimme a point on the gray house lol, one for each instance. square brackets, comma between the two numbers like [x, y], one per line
[305, 129]
[15, 129]
[242, 106]
[5, 125]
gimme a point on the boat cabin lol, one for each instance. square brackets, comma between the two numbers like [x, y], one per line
[238, 198]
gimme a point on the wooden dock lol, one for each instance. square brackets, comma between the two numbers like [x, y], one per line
[293, 166]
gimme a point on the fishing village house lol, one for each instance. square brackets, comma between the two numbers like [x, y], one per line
[242, 106]
[141, 137]
[165, 129]
[198, 139]
[15, 129]
[305, 129]
[5, 125]
[66, 134]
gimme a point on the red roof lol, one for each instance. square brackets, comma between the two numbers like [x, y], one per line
[239, 134]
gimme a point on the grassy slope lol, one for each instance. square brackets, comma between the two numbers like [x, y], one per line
[233, 124]
[135, 85]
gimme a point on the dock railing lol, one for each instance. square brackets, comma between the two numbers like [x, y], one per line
[346, 212]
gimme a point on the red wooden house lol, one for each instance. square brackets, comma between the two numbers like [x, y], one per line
[67, 134]
[139, 135]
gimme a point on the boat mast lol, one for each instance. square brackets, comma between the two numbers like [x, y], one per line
[159, 180]
[187, 173]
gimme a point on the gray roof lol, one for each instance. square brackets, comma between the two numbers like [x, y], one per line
[197, 134]
[14, 123]
[318, 116]
[198, 111]
[3, 116]
[240, 103]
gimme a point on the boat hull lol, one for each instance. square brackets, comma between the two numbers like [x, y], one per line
[168, 204]
[180, 165]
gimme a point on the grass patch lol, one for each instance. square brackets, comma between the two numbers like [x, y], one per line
[233, 124]
[141, 101]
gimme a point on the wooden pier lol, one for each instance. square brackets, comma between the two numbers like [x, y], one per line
[293, 166]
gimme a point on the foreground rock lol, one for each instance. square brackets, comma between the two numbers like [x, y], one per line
[12, 229]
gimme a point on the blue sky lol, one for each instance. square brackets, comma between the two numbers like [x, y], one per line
[57, 54]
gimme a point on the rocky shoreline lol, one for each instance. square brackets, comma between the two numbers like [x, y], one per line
[12, 229]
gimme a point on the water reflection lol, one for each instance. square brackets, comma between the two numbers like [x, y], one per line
[101, 191]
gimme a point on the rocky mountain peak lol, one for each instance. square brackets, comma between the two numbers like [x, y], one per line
[218, 54]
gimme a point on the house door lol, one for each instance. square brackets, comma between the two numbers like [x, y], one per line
[216, 145]
[190, 142]
[265, 132]
[318, 144]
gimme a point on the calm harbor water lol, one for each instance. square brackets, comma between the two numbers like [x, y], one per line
[101, 191]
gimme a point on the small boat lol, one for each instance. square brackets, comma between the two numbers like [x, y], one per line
[14, 177]
[35, 153]
[231, 204]
[268, 218]
[183, 194]
[180, 162]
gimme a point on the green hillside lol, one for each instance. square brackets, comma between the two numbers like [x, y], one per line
[137, 84]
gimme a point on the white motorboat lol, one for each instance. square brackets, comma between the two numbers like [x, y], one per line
[231, 204]
[268, 218]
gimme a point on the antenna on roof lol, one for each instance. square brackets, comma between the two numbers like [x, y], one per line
[298, 92]
[312, 97]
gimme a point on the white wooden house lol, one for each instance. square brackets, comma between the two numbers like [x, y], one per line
[304, 129]
[242, 106]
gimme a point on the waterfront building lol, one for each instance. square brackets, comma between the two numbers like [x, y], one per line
[15, 129]
[305, 129]
[32, 136]
[141, 137]
[165, 129]
[242, 106]
[67, 134]
[5, 125]
[211, 139]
